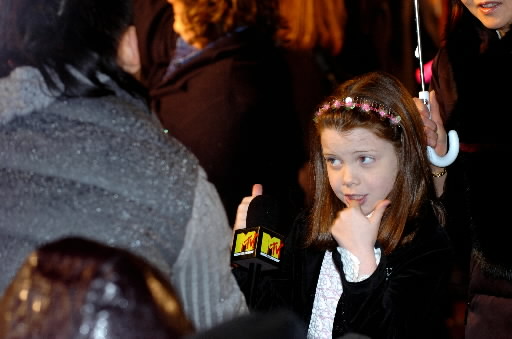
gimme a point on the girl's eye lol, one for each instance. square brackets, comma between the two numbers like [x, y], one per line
[367, 159]
[332, 161]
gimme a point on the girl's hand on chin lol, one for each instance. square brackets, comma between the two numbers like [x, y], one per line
[356, 232]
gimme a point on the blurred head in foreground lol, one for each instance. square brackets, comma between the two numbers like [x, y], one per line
[76, 288]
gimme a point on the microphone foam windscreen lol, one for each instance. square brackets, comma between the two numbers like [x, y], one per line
[263, 211]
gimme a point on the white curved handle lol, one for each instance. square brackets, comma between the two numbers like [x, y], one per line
[450, 156]
[453, 142]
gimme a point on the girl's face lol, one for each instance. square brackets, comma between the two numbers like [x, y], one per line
[493, 14]
[360, 166]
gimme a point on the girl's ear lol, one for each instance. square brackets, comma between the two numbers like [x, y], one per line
[128, 52]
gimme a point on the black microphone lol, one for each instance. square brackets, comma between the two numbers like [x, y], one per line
[257, 247]
[258, 243]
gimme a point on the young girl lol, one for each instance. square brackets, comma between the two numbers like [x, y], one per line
[372, 256]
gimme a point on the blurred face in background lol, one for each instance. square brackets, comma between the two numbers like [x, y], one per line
[493, 14]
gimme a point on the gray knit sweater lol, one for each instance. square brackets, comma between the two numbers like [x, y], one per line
[103, 168]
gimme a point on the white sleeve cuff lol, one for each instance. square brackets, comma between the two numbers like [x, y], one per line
[351, 264]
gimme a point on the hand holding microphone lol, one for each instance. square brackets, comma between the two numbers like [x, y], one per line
[254, 240]
[256, 246]
[241, 212]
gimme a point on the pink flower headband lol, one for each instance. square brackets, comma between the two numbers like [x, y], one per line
[365, 104]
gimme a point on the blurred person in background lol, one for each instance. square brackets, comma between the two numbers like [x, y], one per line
[474, 66]
[225, 92]
[312, 36]
[81, 154]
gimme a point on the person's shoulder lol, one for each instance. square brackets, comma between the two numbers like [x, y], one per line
[430, 231]
[426, 225]
[118, 112]
[253, 45]
[119, 119]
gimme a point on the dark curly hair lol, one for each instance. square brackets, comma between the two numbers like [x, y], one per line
[210, 20]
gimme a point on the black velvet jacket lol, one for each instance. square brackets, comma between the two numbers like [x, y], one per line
[403, 298]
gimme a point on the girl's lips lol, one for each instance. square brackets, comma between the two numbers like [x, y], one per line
[356, 197]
